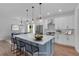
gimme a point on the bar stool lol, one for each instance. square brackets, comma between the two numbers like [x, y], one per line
[14, 41]
[20, 45]
[13, 44]
[31, 48]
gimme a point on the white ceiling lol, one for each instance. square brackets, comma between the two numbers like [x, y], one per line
[19, 9]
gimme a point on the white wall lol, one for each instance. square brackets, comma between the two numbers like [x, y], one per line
[10, 14]
[61, 23]
[5, 27]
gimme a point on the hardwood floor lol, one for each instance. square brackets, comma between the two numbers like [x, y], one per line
[60, 50]
[5, 49]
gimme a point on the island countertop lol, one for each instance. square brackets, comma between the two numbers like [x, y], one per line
[30, 37]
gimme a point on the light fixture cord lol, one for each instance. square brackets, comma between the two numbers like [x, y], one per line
[27, 13]
[32, 12]
[40, 10]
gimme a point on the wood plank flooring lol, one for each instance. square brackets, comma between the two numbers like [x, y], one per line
[60, 50]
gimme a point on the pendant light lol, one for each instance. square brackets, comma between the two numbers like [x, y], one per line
[32, 13]
[40, 18]
[40, 10]
[21, 22]
[27, 15]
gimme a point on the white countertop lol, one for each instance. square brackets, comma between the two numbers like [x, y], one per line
[30, 37]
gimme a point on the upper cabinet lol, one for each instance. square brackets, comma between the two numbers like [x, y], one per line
[51, 26]
[63, 22]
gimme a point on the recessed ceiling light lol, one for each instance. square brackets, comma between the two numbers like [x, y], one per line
[48, 13]
[60, 10]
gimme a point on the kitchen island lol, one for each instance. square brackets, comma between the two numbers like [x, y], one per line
[46, 45]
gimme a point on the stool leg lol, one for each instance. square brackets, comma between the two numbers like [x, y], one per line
[38, 52]
[17, 50]
[11, 48]
[20, 51]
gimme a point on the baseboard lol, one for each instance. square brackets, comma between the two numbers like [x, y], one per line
[1, 39]
[7, 40]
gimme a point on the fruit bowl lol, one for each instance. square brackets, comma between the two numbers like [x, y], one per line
[38, 37]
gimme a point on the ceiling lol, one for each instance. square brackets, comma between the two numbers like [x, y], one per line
[47, 9]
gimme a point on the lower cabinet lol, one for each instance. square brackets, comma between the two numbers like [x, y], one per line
[65, 39]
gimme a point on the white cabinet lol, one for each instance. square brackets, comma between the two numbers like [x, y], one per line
[64, 39]
[63, 21]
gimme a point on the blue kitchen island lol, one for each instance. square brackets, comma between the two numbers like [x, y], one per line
[46, 45]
